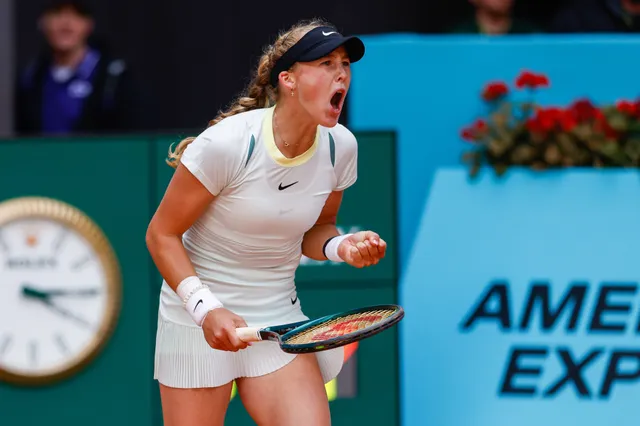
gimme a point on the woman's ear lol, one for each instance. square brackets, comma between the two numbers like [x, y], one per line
[288, 80]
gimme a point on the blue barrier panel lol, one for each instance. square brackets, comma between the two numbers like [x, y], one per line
[426, 88]
[522, 301]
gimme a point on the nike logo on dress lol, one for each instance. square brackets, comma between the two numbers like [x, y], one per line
[293, 301]
[327, 34]
[199, 302]
[280, 187]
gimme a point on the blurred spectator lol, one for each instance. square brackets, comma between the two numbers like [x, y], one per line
[72, 86]
[494, 17]
[592, 16]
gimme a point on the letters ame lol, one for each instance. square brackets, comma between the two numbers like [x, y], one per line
[495, 306]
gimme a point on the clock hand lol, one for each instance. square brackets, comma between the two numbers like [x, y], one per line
[67, 314]
[29, 291]
[78, 293]
[33, 293]
[45, 297]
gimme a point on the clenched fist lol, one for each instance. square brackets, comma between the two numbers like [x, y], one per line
[364, 248]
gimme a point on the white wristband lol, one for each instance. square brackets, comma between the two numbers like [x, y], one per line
[331, 247]
[197, 299]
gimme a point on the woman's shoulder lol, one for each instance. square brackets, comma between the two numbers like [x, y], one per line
[234, 128]
[342, 136]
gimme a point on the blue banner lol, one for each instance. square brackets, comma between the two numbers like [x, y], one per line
[426, 88]
[522, 301]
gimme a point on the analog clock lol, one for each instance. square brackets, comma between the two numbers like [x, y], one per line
[60, 290]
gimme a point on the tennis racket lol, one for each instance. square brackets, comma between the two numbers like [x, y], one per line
[327, 332]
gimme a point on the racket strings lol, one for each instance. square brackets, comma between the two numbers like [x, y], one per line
[340, 326]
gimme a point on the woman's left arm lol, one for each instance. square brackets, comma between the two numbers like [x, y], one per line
[361, 249]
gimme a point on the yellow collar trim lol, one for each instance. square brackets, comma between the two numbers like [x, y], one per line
[272, 148]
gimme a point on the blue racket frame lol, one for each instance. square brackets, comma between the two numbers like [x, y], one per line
[283, 332]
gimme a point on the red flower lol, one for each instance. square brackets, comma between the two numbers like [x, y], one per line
[605, 127]
[533, 125]
[494, 91]
[602, 125]
[475, 131]
[542, 80]
[531, 80]
[467, 134]
[629, 108]
[568, 122]
[550, 119]
[584, 110]
[610, 132]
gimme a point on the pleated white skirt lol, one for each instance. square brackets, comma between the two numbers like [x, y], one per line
[184, 359]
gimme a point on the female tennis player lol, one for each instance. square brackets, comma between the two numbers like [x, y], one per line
[261, 186]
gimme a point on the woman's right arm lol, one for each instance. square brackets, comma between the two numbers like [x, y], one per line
[184, 201]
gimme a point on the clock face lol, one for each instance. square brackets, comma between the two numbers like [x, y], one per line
[56, 298]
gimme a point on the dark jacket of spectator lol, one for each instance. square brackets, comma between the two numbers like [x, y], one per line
[96, 97]
[594, 16]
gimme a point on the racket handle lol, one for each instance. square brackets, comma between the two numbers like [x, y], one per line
[249, 334]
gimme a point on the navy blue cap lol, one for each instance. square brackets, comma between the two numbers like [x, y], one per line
[317, 43]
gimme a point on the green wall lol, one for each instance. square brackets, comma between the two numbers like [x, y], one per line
[109, 180]
[119, 182]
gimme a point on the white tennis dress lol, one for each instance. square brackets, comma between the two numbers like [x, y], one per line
[247, 245]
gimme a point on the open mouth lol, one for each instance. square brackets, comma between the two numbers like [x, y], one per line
[337, 99]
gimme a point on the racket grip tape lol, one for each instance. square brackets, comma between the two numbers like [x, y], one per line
[249, 334]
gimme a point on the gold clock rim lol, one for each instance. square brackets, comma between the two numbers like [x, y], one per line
[74, 218]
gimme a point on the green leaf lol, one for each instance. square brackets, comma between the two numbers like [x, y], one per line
[583, 131]
[618, 122]
[566, 144]
[539, 165]
[499, 121]
[523, 154]
[506, 109]
[634, 126]
[552, 155]
[595, 141]
[498, 146]
[612, 150]
[527, 108]
[632, 150]
[500, 168]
